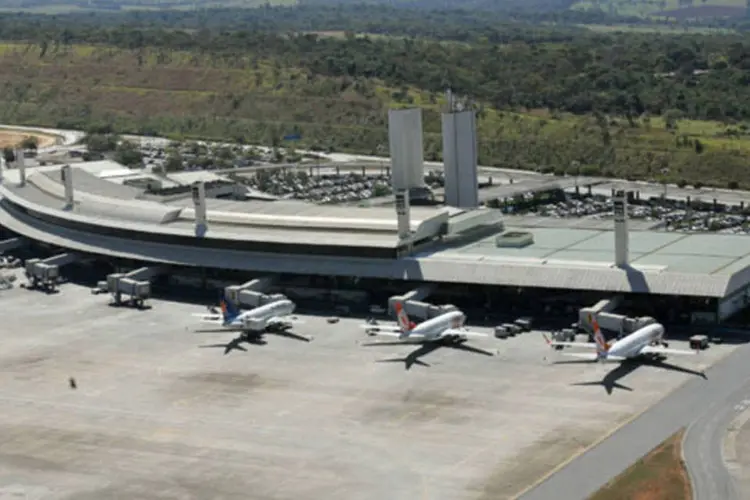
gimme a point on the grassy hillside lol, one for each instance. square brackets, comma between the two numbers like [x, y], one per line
[258, 100]
[673, 9]
[72, 6]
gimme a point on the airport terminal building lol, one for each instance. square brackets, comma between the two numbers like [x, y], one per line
[473, 256]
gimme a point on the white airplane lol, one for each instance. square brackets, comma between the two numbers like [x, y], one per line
[274, 315]
[448, 326]
[645, 342]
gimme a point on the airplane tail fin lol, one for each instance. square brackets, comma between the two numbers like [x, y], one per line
[228, 310]
[403, 319]
[602, 348]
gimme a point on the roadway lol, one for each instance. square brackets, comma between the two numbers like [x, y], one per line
[695, 401]
[703, 445]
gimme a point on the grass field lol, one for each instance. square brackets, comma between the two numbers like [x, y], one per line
[258, 100]
[660, 475]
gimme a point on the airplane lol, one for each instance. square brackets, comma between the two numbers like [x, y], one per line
[276, 315]
[447, 327]
[645, 342]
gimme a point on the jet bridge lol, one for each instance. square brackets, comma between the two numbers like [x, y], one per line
[45, 274]
[136, 285]
[251, 294]
[414, 305]
[603, 312]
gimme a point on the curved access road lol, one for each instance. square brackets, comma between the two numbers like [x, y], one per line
[703, 447]
[691, 402]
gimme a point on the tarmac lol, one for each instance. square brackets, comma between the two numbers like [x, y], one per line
[162, 412]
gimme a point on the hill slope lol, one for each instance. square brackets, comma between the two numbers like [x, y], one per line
[674, 9]
[624, 105]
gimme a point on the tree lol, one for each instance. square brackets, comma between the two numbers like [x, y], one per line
[671, 118]
[173, 163]
[129, 154]
[30, 142]
[101, 143]
[9, 154]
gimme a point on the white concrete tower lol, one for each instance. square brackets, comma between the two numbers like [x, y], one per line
[460, 158]
[66, 174]
[407, 155]
[622, 245]
[199, 204]
[21, 165]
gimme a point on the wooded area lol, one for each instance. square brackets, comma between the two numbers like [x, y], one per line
[637, 105]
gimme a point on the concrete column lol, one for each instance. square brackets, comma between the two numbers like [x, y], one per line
[21, 164]
[2, 167]
[403, 213]
[199, 204]
[405, 142]
[622, 244]
[460, 159]
[66, 174]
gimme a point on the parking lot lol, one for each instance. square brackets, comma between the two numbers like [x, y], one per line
[163, 412]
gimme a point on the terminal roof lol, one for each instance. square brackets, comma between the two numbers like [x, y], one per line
[547, 264]
[580, 258]
[288, 222]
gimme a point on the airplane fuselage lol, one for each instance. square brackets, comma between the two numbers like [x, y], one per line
[433, 328]
[631, 345]
[261, 315]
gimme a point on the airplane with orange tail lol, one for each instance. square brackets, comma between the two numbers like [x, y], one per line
[644, 342]
[446, 327]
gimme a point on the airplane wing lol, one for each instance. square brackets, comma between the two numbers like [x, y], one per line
[210, 318]
[653, 349]
[284, 320]
[463, 333]
[591, 356]
[411, 338]
[555, 343]
[588, 345]
[381, 328]
[388, 333]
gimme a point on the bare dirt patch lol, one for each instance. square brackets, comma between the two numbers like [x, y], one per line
[12, 138]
